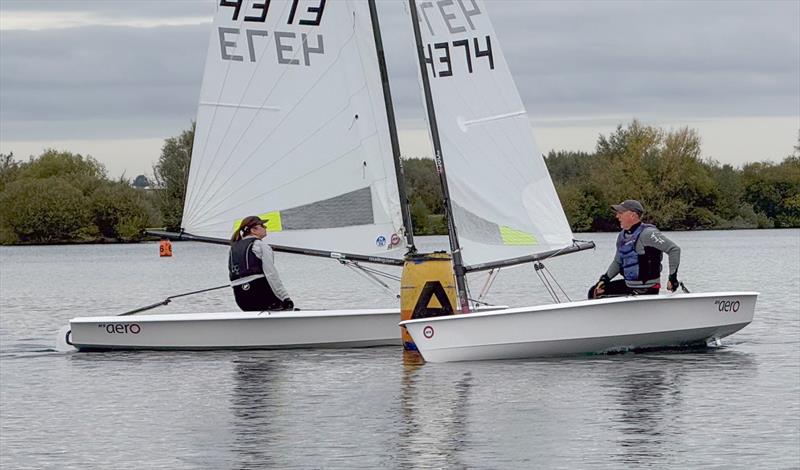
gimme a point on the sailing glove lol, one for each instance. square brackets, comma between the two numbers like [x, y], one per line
[287, 304]
[604, 279]
[673, 282]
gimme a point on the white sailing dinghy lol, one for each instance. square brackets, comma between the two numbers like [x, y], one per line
[294, 124]
[503, 210]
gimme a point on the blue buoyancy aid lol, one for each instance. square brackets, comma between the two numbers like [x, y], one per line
[636, 267]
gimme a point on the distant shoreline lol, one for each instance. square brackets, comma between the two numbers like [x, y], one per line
[155, 239]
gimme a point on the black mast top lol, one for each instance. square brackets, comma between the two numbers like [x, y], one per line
[387, 97]
[458, 263]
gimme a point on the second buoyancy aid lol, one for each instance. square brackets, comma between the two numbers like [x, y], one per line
[635, 266]
[256, 295]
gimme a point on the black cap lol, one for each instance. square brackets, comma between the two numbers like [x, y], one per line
[250, 222]
[629, 205]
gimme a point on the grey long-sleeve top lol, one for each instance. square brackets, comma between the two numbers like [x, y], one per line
[264, 252]
[651, 237]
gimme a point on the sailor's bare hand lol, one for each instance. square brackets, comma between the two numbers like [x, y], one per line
[672, 283]
[599, 289]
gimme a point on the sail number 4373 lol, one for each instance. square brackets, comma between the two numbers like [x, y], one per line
[261, 7]
[286, 43]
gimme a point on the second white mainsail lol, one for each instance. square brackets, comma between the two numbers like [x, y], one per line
[503, 200]
[292, 126]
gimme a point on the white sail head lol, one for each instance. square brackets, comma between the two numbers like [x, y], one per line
[292, 126]
[504, 202]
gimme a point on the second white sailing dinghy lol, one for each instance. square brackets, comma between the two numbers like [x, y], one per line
[295, 125]
[503, 210]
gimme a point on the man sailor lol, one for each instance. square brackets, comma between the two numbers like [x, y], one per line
[252, 264]
[640, 249]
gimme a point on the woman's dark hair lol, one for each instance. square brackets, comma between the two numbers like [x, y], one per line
[245, 226]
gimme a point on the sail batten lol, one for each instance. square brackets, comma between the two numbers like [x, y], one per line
[240, 105]
[292, 125]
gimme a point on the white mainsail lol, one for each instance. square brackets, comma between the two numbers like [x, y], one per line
[292, 126]
[504, 202]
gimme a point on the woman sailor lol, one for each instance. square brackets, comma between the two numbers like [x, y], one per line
[251, 265]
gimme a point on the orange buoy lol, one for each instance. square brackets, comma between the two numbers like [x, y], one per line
[165, 249]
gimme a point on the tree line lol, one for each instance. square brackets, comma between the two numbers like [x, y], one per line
[662, 169]
[60, 197]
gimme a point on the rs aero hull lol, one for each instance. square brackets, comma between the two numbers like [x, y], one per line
[238, 330]
[584, 327]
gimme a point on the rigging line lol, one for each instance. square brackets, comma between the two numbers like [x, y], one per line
[480, 302]
[546, 284]
[241, 99]
[260, 195]
[217, 201]
[378, 272]
[360, 270]
[558, 252]
[489, 281]
[283, 121]
[556, 282]
[550, 281]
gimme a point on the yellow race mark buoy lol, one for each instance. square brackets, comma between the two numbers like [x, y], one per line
[427, 289]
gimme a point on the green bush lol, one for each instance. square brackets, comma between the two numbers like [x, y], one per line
[120, 211]
[171, 174]
[45, 210]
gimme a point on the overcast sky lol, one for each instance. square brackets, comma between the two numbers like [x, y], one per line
[114, 78]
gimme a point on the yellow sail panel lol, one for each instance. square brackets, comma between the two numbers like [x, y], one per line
[513, 237]
[272, 219]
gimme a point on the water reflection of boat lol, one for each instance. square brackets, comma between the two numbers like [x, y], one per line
[254, 405]
[657, 394]
[434, 410]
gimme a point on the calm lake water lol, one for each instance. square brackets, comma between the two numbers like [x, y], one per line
[737, 406]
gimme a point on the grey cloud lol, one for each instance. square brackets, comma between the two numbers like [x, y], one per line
[115, 8]
[100, 73]
[569, 58]
[684, 58]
